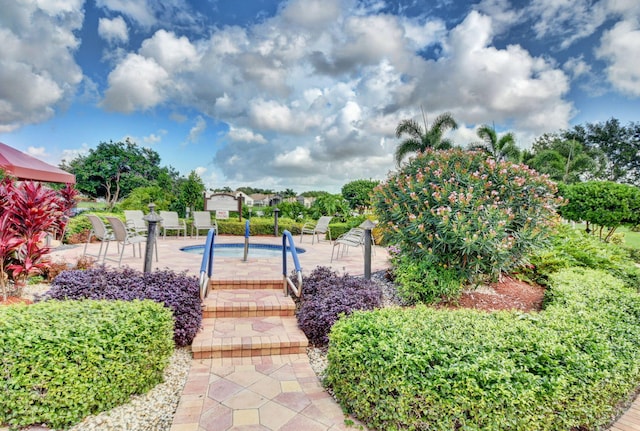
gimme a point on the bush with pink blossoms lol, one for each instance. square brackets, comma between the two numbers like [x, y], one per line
[467, 211]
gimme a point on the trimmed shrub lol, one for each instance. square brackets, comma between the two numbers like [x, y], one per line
[568, 367]
[420, 282]
[464, 210]
[326, 296]
[573, 247]
[177, 292]
[64, 360]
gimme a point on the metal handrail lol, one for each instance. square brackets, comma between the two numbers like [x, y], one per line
[206, 267]
[287, 282]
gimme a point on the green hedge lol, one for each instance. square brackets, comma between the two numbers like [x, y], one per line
[567, 367]
[64, 360]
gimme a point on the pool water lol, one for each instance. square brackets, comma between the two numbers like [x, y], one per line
[237, 250]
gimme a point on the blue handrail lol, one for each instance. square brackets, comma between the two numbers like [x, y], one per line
[206, 267]
[246, 240]
[287, 282]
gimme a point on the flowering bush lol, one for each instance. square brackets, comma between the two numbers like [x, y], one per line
[467, 211]
[28, 212]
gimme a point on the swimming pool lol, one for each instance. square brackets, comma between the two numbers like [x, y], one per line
[237, 250]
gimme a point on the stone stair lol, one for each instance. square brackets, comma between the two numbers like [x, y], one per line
[244, 318]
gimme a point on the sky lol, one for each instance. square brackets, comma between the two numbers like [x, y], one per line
[305, 94]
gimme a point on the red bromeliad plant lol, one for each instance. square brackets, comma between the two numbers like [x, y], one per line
[28, 213]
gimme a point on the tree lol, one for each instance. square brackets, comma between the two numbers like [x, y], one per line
[503, 148]
[420, 139]
[112, 170]
[191, 194]
[358, 193]
[619, 144]
[329, 205]
[563, 160]
[602, 203]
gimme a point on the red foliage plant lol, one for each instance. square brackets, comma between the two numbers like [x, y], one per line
[28, 213]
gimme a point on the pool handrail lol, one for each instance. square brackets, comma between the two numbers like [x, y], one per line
[246, 240]
[206, 267]
[287, 282]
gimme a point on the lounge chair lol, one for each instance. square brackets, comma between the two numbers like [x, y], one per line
[321, 227]
[100, 231]
[202, 220]
[170, 221]
[353, 238]
[135, 220]
[126, 237]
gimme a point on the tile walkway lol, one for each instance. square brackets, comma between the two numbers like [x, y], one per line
[278, 392]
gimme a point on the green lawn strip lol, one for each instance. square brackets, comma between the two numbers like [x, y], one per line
[422, 368]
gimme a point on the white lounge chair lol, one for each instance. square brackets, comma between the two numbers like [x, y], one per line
[100, 231]
[125, 237]
[202, 221]
[170, 221]
[321, 227]
[135, 220]
[353, 238]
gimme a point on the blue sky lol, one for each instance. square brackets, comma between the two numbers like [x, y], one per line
[305, 94]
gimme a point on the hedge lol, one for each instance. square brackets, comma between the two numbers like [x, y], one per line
[64, 360]
[568, 367]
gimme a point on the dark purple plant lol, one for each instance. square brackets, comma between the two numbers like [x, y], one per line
[178, 292]
[328, 295]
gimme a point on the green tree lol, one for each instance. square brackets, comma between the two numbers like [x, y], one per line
[329, 205]
[141, 197]
[563, 160]
[191, 194]
[604, 204]
[420, 139]
[112, 170]
[619, 144]
[502, 148]
[358, 193]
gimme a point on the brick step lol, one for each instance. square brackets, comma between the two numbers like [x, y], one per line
[234, 337]
[247, 303]
[217, 284]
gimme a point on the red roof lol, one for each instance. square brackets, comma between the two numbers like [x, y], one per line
[25, 167]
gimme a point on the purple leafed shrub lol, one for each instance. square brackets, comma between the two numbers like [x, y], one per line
[326, 295]
[178, 292]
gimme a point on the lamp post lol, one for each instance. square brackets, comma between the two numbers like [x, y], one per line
[152, 220]
[367, 225]
[275, 219]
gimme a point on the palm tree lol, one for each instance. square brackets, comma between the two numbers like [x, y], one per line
[503, 148]
[420, 139]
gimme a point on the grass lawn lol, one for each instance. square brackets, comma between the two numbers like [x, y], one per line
[631, 239]
[92, 205]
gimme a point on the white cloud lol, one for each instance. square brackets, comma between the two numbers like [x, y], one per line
[136, 83]
[620, 48]
[197, 129]
[245, 135]
[113, 30]
[154, 138]
[173, 53]
[138, 10]
[38, 71]
[200, 171]
[38, 152]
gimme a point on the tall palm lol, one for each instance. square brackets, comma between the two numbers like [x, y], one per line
[420, 139]
[503, 148]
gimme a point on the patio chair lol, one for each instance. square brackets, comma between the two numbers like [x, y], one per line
[353, 238]
[135, 220]
[126, 237]
[321, 227]
[170, 221]
[202, 220]
[100, 231]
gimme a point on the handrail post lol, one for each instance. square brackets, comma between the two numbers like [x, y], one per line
[246, 240]
[286, 281]
[206, 266]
